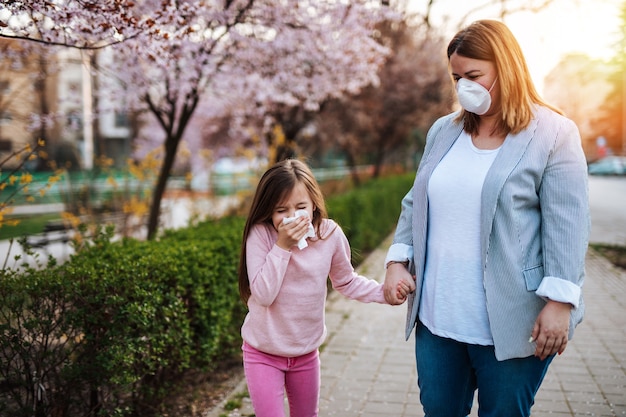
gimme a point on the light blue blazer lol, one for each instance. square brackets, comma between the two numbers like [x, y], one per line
[534, 223]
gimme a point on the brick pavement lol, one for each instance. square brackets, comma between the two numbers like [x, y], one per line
[368, 370]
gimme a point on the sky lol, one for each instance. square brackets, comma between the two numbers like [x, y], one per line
[567, 26]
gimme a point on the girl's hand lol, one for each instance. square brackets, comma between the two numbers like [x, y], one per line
[289, 234]
[403, 289]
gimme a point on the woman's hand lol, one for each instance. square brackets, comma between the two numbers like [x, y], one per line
[551, 329]
[398, 284]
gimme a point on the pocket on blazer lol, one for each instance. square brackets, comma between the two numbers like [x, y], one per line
[533, 277]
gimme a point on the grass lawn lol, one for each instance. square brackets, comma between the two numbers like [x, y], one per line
[614, 253]
[28, 225]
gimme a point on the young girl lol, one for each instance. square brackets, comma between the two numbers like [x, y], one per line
[285, 289]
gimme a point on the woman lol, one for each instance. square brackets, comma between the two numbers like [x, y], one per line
[495, 230]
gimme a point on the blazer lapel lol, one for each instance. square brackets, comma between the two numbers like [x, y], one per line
[442, 144]
[510, 154]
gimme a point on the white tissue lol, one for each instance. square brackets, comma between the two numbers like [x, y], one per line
[302, 243]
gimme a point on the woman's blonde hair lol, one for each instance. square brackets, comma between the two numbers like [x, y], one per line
[274, 187]
[491, 40]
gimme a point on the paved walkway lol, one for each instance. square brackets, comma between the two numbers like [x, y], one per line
[368, 369]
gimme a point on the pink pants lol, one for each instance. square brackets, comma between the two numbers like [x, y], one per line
[270, 376]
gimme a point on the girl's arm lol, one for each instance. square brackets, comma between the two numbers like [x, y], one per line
[267, 264]
[345, 279]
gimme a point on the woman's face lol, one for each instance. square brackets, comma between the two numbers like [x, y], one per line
[298, 199]
[477, 70]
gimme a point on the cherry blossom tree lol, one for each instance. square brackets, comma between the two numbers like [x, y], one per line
[275, 54]
[171, 55]
[414, 90]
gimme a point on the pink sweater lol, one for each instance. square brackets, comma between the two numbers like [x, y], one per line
[286, 308]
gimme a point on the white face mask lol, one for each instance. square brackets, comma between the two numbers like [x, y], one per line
[473, 97]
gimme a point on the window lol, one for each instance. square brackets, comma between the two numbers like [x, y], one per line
[5, 118]
[6, 145]
[74, 120]
[121, 119]
[5, 87]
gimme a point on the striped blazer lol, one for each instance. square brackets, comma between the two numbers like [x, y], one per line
[534, 223]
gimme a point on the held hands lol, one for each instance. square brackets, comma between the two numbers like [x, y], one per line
[551, 329]
[399, 283]
[405, 288]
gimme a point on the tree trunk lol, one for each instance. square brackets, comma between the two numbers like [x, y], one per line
[354, 174]
[171, 146]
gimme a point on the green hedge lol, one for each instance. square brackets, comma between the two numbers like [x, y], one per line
[112, 330]
[368, 214]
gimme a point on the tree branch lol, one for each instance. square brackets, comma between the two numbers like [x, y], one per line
[69, 45]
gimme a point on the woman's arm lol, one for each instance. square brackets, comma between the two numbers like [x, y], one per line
[400, 253]
[565, 225]
[565, 229]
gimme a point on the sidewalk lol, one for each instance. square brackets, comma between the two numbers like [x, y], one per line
[368, 369]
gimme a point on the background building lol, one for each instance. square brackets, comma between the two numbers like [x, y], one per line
[55, 97]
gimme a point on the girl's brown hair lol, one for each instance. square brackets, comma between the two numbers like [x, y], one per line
[274, 187]
[490, 40]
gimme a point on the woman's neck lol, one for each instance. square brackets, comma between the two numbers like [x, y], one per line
[488, 135]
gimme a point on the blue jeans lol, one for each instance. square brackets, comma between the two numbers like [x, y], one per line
[449, 372]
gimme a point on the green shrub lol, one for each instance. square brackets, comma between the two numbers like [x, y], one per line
[211, 254]
[121, 321]
[369, 213]
[136, 331]
[38, 344]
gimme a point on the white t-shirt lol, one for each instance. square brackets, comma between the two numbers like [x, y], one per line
[453, 303]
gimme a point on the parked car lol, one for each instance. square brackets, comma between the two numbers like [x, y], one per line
[609, 165]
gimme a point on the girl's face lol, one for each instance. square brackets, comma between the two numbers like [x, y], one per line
[298, 199]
